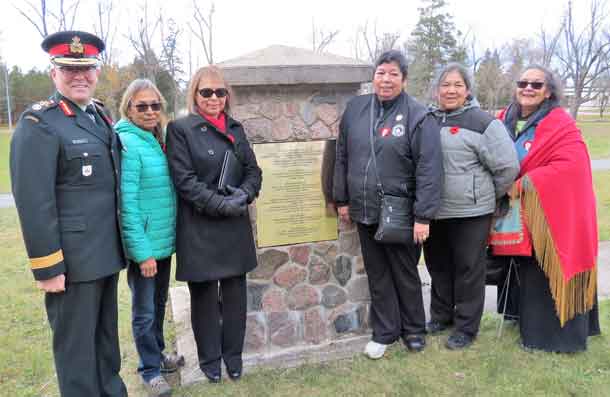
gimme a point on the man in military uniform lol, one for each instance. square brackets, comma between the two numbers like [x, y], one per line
[65, 178]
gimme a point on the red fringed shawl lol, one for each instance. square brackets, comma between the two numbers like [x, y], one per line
[560, 212]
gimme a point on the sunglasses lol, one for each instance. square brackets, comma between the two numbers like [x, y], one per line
[142, 107]
[208, 92]
[536, 85]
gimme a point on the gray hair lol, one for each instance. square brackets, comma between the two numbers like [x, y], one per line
[452, 67]
[140, 85]
[551, 81]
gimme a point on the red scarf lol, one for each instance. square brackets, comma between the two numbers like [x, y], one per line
[219, 122]
[560, 212]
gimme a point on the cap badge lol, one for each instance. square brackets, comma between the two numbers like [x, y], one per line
[76, 47]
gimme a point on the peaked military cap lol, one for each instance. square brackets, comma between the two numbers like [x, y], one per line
[73, 48]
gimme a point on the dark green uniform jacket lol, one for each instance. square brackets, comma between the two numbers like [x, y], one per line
[65, 180]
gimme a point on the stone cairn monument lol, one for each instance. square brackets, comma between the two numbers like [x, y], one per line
[307, 302]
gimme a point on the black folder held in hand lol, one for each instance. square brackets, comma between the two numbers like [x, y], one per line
[231, 173]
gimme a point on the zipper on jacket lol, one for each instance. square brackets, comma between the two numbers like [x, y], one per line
[366, 174]
[474, 191]
[378, 121]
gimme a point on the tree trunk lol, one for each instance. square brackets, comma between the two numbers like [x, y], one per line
[574, 106]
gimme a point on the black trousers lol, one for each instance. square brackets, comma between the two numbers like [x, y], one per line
[86, 338]
[397, 308]
[455, 258]
[219, 322]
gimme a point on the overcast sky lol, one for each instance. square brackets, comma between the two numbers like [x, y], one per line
[242, 26]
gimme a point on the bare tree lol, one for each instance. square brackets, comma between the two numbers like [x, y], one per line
[583, 54]
[491, 82]
[203, 29]
[142, 42]
[170, 58]
[469, 43]
[46, 19]
[517, 54]
[103, 27]
[321, 39]
[603, 99]
[375, 43]
[549, 44]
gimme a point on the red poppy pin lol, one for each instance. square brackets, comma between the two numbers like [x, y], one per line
[231, 138]
[454, 130]
[385, 131]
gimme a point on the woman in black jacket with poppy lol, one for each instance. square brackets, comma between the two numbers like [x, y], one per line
[214, 243]
[408, 164]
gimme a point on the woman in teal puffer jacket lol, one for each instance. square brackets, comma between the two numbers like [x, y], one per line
[148, 217]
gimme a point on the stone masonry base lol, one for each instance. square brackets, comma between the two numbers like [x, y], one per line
[279, 358]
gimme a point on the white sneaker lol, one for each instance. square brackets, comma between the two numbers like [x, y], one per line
[374, 350]
[158, 387]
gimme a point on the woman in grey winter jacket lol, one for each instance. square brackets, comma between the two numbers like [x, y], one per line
[480, 164]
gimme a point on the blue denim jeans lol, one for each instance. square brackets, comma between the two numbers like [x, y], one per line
[148, 299]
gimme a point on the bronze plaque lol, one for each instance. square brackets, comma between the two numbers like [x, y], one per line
[291, 208]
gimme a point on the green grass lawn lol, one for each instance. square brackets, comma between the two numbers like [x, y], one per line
[26, 362]
[490, 368]
[5, 182]
[601, 179]
[595, 116]
[597, 137]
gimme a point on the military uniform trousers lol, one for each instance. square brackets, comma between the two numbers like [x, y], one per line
[455, 258]
[397, 307]
[85, 338]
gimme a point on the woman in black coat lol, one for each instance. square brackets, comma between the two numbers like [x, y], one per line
[214, 243]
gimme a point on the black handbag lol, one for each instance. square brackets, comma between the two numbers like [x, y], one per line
[496, 269]
[395, 220]
[395, 214]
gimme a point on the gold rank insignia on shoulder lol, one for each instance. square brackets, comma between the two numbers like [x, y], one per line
[76, 47]
[42, 104]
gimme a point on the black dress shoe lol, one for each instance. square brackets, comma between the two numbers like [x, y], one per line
[415, 343]
[458, 341]
[435, 327]
[234, 375]
[213, 378]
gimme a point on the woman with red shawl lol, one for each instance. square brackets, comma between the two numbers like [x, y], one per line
[557, 255]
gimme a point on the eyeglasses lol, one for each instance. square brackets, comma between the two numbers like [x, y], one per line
[536, 85]
[74, 70]
[142, 107]
[208, 92]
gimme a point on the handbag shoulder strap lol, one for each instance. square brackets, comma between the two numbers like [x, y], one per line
[372, 140]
